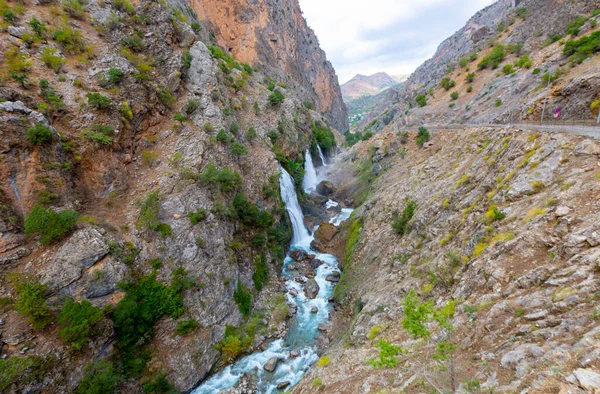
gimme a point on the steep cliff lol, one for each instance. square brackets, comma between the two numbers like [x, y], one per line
[494, 69]
[274, 35]
[141, 223]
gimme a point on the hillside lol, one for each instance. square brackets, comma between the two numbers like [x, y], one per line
[470, 266]
[496, 68]
[362, 85]
[141, 219]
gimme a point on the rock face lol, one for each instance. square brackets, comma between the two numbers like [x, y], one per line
[81, 251]
[269, 33]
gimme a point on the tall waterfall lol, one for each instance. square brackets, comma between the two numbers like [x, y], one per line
[310, 180]
[303, 332]
[290, 199]
[321, 155]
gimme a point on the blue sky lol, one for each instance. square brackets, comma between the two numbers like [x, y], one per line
[395, 36]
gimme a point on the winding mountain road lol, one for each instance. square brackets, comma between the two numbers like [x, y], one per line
[575, 129]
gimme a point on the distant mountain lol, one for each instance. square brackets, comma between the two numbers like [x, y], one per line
[362, 85]
[400, 77]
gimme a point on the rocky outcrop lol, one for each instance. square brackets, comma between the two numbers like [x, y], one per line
[274, 35]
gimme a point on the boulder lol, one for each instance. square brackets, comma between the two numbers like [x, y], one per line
[322, 327]
[15, 31]
[294, 353]
[325, 188]
[293, 292]
[299, 254]
[283, 385]
[272, 364]
[311, 288]
[326, 231]
[82, 250]
[315, 263]
[314, 309]
[588, 378]
[333, 277]
[562, 211]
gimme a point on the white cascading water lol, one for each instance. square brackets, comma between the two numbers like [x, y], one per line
[310, 181]
[304, 326]
[321, 155]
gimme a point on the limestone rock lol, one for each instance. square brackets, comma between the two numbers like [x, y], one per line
[588, 378]
[325, 188]
[15, 31]
[326, 231]
[299, 255]
[311, 288]
[333, 277]
[562, 211]
[272, 364]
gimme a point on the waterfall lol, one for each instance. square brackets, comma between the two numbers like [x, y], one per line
[303, 332]
[321, 155]
[310, 174]
[290, 199]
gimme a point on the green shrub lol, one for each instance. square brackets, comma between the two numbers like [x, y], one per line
[197, 216]
[225, 178]
[238, 149]
[585, 47]
[186, 59]
[124, 6]
[115, 75]
[243, 298]
[77, 320]
[31, 302]
[100, 134]
[524, 62]
[494, 59]
[228, 62]
[186, 327]
[39, 28]
[261, 272]
[470, 77]
[160, 385]
[536, 71]
[71, 39]
[416, 315]
[148, 219]
[167, 98]
[73, 8]
[251, 214]
[498, 103]
[99, 101]
[179, 117]
[51, 59]
[39, 134]
[276, 98]
[400, 222]
[469, 88]
[21, 370]
[514, 49]
[388, 355]
[574, 26]
[145, 301]
[251, 134]
[421, 100]
[273, 135]
[463, 61]
[234, 128]
[423, 136]
[100, 378]
[521, 12]
[447, 83]
[192, 106]
[324, 137]
[508, 69]
[454, 95]
[49, 224]
[222, 136]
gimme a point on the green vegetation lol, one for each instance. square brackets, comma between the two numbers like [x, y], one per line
[31, 301]
[243, 298]
[71, 39]
[38, 27]
[73, 8]
[353, 138]
[324, 137]
[323, 361]
[51, 59]
[498, 103]
[423, 136]
[421, 100]
[124, 6]
[447, 83]
[494, 59]
[192, 106]
[400, 222]
[186, 327]
[100, 134]
[514, 49]
[574, 26]
[581, 49]
[100, 378]
[342, 289]
[524, 62]
[470, 77]
[251, 214]
[223, 137]
[197, 216]
[261, 272]
[167, 98]
[98, 101]
[251, 134]
[238, 149]
[226, 179]
[49, 224]
[39, 134]
[276, 98]
[148, 219]
[294, 167]
[388, 355]
[22, 370]
[77, 320]
[508, 69]
[228, 62]
[493, 214]
[114, 75]
[454, 95]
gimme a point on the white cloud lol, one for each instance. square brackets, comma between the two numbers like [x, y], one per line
[395, 36]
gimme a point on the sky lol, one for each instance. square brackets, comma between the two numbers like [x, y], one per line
[395, 36]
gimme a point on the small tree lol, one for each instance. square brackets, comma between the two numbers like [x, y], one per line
[31, 302]
[99, 101]
[454, 95]
[470, 77]
[400, 222]
[76, 320]
[421, 100]
[276, 98]
[423, 136]
[49, 224]
[243, 298]
[179, 117]
[39, 134]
